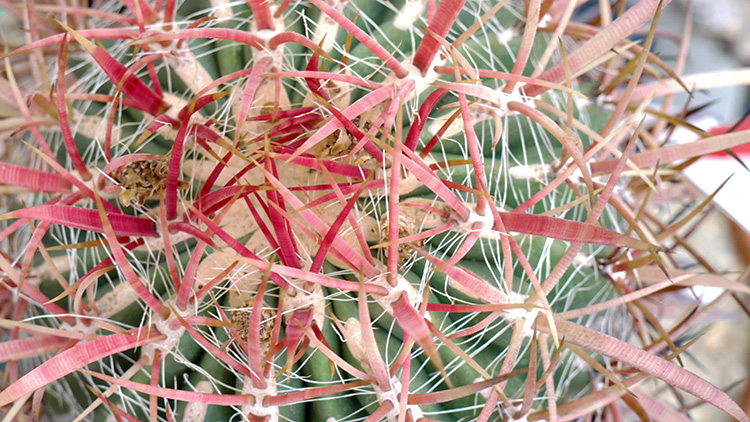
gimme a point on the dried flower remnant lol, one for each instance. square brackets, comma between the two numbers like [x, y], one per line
[241, 320]
[406, 227]
[144, 179]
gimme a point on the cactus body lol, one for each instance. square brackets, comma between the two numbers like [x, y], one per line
[347, 210]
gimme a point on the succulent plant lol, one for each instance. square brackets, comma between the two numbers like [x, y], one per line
[341, 210]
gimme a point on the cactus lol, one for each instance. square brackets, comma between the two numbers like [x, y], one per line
[339, 210]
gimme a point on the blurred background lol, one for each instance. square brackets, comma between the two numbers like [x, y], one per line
[719, 40]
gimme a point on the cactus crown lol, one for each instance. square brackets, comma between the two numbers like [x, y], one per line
[336, 210]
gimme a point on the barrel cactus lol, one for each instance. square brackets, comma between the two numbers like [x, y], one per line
[336, 210]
